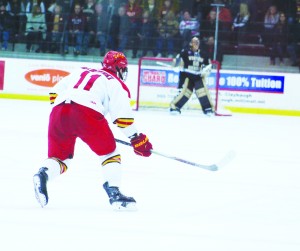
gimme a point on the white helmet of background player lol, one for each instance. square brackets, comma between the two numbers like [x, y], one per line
[116, 62]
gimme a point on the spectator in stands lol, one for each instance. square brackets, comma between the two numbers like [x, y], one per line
[67, 5]
[210, 49]
[296, 28]
[31, 3]
[293, 50]
[188, 28]
[208, 26]
[16, 9]
[167, 30]
[75, 30]
[52, 6]
[257, 10]
[296, 22]
[98, 29]
[151, 6]
[88, 10]
[134, 13]
[114, 32]
[164, 6]
[5, 26]
[225, 17]
[35, 29]
[271, 18]
[235, 7]
[279, 40]
[262, 8]
[119, 30]
[201, 9]
[295, 11]
[283, 6]
[56, 27]
[147, 34]
[293, 47]
[110, 9]
[240, 24]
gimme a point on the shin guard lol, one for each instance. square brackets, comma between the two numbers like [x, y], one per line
[183, 96]
[203, 96]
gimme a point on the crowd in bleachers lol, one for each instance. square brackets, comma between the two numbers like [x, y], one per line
[158, 28]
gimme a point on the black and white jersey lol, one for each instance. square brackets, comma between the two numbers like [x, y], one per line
[193, 61]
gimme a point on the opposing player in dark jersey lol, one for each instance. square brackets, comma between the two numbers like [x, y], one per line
[192, 77]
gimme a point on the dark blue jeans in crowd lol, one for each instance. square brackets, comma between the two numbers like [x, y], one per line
[101, 38]
[74, 38]
[5, 37]
[161, 42]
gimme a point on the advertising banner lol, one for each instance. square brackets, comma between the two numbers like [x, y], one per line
[228, 81]
[33, 78]
[239, 91]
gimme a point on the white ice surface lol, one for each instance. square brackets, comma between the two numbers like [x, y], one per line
[253, 204]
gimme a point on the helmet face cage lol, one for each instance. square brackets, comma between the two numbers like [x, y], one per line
[116, 62]
[122, 73]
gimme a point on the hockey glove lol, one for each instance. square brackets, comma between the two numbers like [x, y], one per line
[141, 145]
[206, 70]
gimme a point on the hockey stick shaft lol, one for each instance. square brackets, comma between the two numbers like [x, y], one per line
[207, 167]
[164, 64]
[204, 71]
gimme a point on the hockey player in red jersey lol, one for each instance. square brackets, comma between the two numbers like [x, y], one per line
[80, 102]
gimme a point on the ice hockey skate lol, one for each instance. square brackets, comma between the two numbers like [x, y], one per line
[209, 112]
[175, 111]
[40, 186]
[118, 200]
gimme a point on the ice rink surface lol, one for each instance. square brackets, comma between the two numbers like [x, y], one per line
[252, 204]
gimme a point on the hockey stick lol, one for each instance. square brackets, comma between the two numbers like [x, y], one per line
[164, 64]
[213, 167]
[205, 71]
